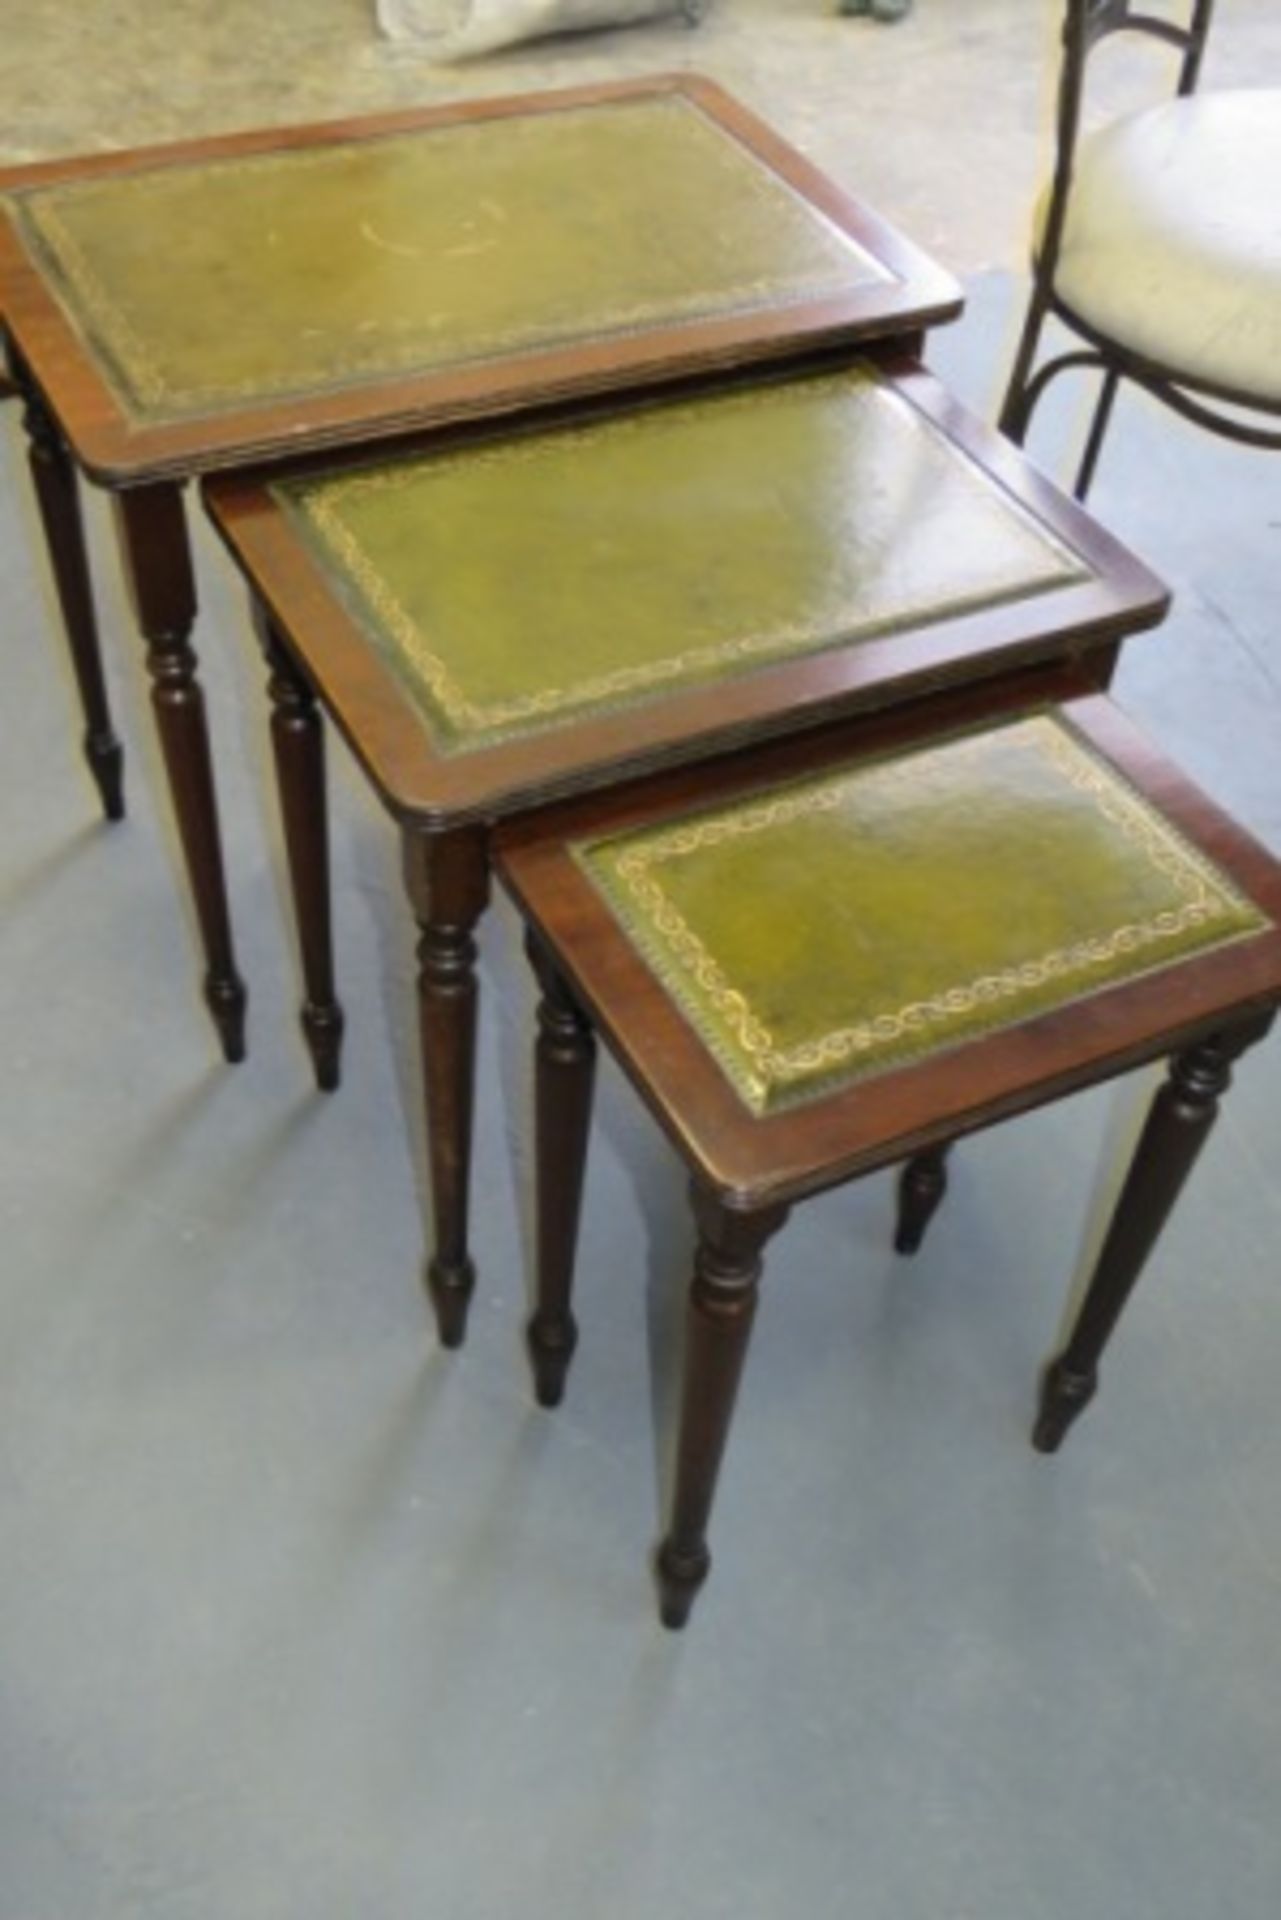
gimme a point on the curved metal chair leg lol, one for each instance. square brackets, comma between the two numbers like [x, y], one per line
[1022, 409]
[1016, 407]
[1098, 427]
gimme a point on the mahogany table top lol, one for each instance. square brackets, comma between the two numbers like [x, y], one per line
[494, 621]
[815, 963]
[192, 306]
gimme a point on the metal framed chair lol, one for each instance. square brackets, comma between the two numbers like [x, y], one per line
[1159, 245]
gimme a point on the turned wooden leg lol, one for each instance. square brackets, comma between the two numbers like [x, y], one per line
[298, 744]
[447, 876]
[921, 1187]
[157, 563]
[565, 1070]
[1178, 1123]
[722, 1306]
[58, 499]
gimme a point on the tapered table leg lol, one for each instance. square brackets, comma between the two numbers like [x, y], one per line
[58, 499]
[157, 563]
[1178, 1124]
[722, 1307]
[922, 1185]
[298, 745]
[447, 878]
[564, 1070]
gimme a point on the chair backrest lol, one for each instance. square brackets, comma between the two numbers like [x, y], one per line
[1087, 23]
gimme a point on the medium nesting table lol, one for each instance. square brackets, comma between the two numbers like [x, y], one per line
[828, 962]
[503, 621]
[181, 309]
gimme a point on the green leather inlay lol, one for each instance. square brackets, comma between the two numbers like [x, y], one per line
[839, 927]
[235, 280]
[536, 581]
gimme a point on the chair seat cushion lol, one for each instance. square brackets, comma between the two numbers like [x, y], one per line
[1172, 245]
[886, 912]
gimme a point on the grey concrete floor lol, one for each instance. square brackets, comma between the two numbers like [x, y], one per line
[300, 1617]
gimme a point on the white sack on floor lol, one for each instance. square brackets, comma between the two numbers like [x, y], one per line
[457, 29]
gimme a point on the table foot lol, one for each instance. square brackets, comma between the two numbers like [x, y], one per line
[227, 1000]
[322, 1029]
[451, 1288]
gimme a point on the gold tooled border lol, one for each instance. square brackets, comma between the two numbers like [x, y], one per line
[320, 505]
[767, 1076]
[137, 375]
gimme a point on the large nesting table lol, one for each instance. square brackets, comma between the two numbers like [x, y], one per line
[180, 309]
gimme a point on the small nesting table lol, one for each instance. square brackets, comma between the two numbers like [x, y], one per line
[181, 309]
[500, 622]
[836, 960]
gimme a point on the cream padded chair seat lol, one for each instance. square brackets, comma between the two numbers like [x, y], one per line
[1173, 240]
